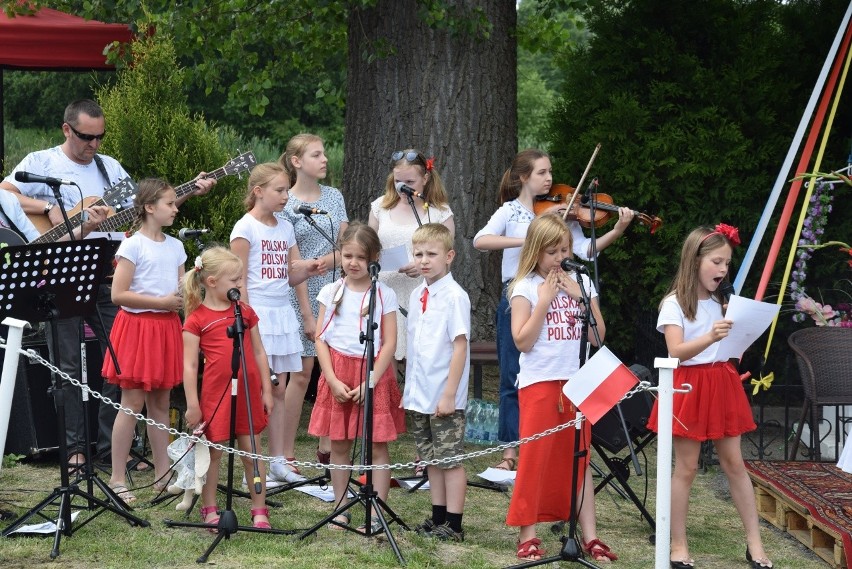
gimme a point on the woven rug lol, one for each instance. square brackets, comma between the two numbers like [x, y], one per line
[821, 487]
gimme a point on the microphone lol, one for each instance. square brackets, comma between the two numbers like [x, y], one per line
[569, 265]
[727, 289]
[400, 187]
[307, 210]
[234, 294]
[374, 269]
[28, 178]
[187, 233]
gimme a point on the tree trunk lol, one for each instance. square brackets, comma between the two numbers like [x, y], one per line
[448, 94]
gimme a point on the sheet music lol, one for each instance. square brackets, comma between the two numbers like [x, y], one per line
[751, 318]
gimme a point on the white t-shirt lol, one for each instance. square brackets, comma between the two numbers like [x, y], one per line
[11, 207]
[556, 352]
[342, 331]
[157, 266]
[54, 163]
[430, 344]
[707, 312]
[268, 260]
[513, 219]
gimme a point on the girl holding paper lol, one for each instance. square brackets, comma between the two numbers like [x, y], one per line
[394, 220]
[692, 320]
[546, 328]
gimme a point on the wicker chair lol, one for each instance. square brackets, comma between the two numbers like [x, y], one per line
[824, 356]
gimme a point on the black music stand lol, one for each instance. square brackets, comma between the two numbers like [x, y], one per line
[41, 283]
[227, 525]
[367, 494]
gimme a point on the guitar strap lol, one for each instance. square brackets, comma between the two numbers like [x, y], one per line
[102, 169]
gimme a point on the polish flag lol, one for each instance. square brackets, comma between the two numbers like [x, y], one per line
[599, 384]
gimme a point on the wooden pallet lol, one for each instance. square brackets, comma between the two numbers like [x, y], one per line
[785, 514]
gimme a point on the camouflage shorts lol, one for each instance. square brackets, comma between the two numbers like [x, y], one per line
[439, 437]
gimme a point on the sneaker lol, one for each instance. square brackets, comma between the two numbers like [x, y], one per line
[283, 473]
[444, 532]
[270, 483]
[424, 528]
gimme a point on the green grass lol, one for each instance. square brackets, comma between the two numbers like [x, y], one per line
[108, 541]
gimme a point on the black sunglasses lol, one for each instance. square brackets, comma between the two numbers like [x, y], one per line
[411, 156]
[87, 137]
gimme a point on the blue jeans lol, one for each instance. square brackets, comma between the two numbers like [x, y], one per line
[507, 358]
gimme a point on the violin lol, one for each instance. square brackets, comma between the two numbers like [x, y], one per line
[565, 199]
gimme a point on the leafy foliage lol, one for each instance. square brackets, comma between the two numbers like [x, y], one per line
[152, 133]
[694, 104]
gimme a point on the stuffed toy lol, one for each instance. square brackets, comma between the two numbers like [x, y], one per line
[191, 462]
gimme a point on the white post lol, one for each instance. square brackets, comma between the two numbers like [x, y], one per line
[665, 395]
[10, 373]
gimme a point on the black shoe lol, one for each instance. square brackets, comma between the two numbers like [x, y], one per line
[424, 528]
[758, 563]
[444, 532]
[685, 564]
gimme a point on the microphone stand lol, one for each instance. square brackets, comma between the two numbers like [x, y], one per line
[410, 199]
[367, 494]
[571, 550]
[227, 525]
[309, 218]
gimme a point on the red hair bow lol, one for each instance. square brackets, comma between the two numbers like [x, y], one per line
[730, 232]
[430, 163]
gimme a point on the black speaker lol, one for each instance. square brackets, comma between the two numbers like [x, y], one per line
[609, 433]
[33, 426]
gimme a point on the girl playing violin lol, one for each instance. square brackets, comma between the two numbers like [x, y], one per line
[529, 176]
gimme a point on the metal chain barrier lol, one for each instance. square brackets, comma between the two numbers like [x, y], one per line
[32, 355]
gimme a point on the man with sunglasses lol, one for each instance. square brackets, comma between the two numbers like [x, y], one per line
[77, 160]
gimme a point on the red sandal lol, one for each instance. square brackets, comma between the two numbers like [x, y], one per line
[206, 511]
[599, 551]
[530, 549]
[261, 524]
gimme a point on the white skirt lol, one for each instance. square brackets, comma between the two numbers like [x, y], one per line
[279, 332]
[844, 463]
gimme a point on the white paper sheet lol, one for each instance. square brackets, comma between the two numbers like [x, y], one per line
[46, 528]
[324, 493]
[394, 258]
[498, 476]
[751, 318]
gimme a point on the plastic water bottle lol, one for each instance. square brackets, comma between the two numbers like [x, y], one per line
[492, 422]
[473, 424]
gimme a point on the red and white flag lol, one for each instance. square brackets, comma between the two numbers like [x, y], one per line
[599, 384]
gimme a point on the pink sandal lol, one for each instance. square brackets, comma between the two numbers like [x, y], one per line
[599, 551]
[261, 524]
[206, 511]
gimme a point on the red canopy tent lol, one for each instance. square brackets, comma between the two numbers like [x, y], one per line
[54, 41]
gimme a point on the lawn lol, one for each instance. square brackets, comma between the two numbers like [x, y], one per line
[108, 541]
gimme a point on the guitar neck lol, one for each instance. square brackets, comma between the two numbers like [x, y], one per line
[126, 216]
[58, 231]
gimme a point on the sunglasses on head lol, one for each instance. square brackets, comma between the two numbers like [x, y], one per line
[87, 137]
[411, 156]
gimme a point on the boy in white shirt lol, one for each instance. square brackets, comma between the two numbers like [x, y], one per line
[436, 377]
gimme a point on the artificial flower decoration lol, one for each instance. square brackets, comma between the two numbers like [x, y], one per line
[198, 265]
[430, 163]
[730, 232]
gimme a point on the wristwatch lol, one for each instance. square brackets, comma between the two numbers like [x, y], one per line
[48, 207]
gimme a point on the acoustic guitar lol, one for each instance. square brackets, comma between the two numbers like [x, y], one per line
[116, 195]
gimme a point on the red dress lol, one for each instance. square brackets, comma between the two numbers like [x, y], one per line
[217, 348]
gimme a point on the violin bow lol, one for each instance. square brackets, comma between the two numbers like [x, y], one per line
[580, 183]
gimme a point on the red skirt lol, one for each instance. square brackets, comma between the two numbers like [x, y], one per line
[716, 408]
[344, 421]
[149, 348]
[543, 481]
